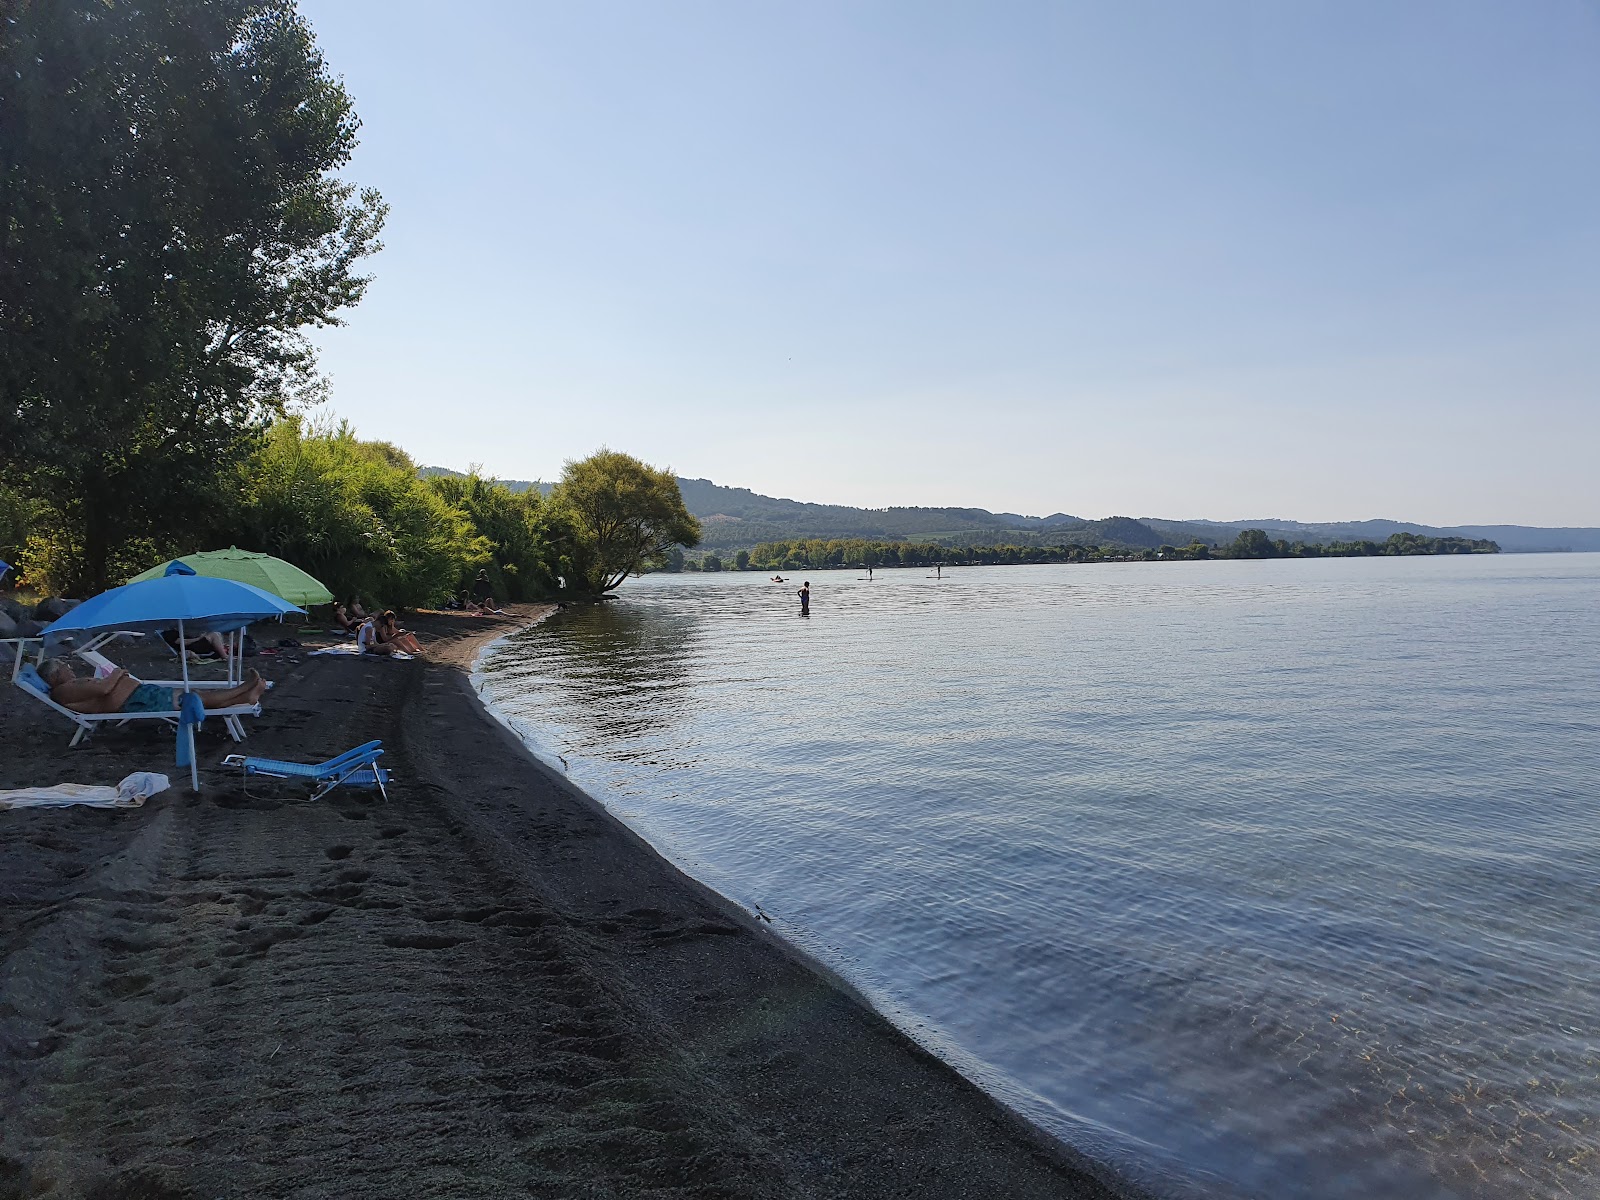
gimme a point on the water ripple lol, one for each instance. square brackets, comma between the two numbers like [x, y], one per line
[1263, 879]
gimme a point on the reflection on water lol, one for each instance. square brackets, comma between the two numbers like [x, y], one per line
[626, 672]
[1260, 879]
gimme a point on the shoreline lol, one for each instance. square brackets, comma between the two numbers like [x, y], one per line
[1031, 1130]
[489, 983]
[1071, 1158]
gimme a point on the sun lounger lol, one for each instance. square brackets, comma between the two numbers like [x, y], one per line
[104, 666]
[353, 768]
[31, 682]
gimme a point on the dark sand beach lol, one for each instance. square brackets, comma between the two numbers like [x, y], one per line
[484, 986]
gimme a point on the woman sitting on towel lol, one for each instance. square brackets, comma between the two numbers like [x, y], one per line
[344, 619]
[120, 692]
[367, 639]
[380, 636]
[390, 633]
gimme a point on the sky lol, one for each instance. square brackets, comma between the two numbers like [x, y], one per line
[1199, 259]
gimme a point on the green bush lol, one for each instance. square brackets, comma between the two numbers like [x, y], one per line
[522, 563]
[352, 513]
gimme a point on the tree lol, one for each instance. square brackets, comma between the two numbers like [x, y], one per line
[352, 513]
[741, 561]
[16, 520]
[522, 559]
[171, 220]
[711, 562]
[619, 514]
[1252, 543]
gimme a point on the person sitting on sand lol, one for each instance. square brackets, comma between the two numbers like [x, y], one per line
[482, 589]
[120, 692]
[483, 596]
[207, 645]
[367, 639]
[342, 618]
[390, 633]
[353, 608]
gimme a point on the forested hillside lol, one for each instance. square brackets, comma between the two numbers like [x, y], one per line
[739, 519]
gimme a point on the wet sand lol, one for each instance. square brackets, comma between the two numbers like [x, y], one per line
[485, 986]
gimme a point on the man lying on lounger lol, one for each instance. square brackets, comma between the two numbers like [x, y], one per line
[120, 692]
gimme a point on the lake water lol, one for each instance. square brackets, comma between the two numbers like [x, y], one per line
[1253, 878]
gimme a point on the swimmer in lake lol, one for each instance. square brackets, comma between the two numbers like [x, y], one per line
[805, 599]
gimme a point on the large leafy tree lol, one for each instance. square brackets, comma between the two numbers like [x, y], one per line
[620, 514]
[354, 514]
[171, 222]
[524, 559]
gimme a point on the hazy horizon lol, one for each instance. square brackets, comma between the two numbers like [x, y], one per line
[1088, 516]
[1031, 258]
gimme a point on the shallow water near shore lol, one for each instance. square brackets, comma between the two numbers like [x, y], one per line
[1250, 878]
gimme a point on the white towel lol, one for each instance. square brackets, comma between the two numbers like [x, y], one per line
[353, 649]
[130, 793]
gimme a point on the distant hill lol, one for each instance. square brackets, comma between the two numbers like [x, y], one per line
[516, 485]
[1513, 539]
[734, 518]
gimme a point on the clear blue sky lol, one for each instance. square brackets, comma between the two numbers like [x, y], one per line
[1191, 259]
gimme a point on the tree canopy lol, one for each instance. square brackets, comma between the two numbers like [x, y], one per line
[171, 222]
[620, 514]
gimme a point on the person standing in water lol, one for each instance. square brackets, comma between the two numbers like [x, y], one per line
[805, 599]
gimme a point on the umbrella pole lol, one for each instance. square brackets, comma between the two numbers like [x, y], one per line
[194, 761]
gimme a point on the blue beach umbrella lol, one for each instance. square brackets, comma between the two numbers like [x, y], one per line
[181, 598]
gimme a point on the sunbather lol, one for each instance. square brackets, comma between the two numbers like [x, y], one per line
[120, 692]
[370, 639]
[390, 633]
[345, 621]
[205, 645]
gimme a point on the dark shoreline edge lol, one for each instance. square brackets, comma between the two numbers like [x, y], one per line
[1037, 1139]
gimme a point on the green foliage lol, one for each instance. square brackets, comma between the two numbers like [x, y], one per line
[352, 513]
[1254, 543]
[711, 562]
[741, 561]
[17, 516]
[616, 515]
[817, 554]
[523, 559]
[171, 219]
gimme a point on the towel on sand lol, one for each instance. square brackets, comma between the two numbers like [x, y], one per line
[352, 648]
[130, 793]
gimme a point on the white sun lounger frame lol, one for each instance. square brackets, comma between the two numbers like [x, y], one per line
[86, 722]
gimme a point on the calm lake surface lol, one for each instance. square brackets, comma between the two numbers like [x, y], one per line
[1252, 878]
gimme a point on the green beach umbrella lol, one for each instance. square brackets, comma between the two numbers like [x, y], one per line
[258, 570]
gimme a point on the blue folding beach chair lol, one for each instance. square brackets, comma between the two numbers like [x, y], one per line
[354, 768]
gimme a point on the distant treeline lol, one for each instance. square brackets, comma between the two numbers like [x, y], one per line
[822, 555]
